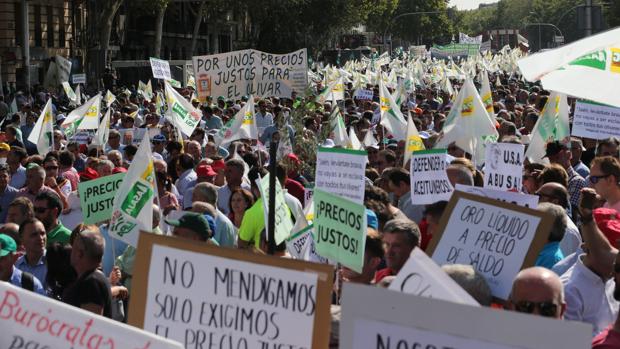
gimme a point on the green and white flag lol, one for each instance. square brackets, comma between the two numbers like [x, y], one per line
[43, 131]
[414, 141]
[339, 130]
[103, 132]
[485, 93]
[145, 90]
[391, 116]
[69, 92]
[180, 112]
[86, 117]
[326, 93]
[109, 98]
[132, 210]
[552, 125]
[241, 126]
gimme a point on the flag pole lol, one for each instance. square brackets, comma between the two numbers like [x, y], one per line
[271, 218]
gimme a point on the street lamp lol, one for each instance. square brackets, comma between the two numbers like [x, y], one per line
[539, 35]
[403, 15]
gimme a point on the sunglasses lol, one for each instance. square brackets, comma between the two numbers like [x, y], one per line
[546, 309]
[595, 179]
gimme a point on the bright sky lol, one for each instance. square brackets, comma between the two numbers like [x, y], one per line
[469, 4]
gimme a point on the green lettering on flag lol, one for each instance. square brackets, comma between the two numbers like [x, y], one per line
[340, 229]
[596, 60]
[178, 108]
[136, 198]
[120, 224]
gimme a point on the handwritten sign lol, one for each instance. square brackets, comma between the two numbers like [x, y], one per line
[597, 121]
[251, 72]
[340, 233]
[521, 199]
[160, 68]
[204, 296]
[97, 196]
[52, 324]
[422, 277]
[503, 167]
[496, 238]
[429, 180]
[373, 317]
[342, 172]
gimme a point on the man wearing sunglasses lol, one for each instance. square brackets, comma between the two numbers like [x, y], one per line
[604, 178]
[538, 291]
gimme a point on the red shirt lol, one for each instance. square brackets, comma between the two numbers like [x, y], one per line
[608, 339]
[380, 274]
[296, 189]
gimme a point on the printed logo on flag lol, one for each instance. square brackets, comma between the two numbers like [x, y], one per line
[385, 103]
[136, 198]
[178, 108]
[248, 118]
[91, 112]
[488, 102]
[596, 60]
[120, 225]
[615, 60]
[468, 106]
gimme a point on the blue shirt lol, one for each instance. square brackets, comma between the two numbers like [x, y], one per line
[582, 169]
[39, 270]
[225, 232]
[16, 280]
[5, 200]
[213, 123]
[18, 179]
[549, 255]
[113, 248]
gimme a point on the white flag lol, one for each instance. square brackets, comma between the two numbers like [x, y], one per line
[339, 130]
[78, 97]
[109, 98]
[86, 117]
[414, 142]
[69, 92]
[180, 112]
[552, 125]
[485, 93]
[369, 139]
[354, 142]
[241, 126]
[391, 116]
[132, 209]
[103, 132]
[43, 132]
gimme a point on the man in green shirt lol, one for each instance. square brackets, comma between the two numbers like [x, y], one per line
[47, 208]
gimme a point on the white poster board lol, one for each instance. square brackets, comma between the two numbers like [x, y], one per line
[496, 238]
[373, 317]
[204, 296]
[363, 94]
[55, 325]
[79, 78]
[521, 199]
[596, 121]
[160, 68]
[503, 167]
[342, 172]
[429, 179]
[420, 276]
[251, 72]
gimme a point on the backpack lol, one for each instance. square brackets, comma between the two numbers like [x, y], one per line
[27, 281]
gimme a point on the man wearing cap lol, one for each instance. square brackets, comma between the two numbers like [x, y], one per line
[576, 149]
[8, 272]
[558, 153]
[204, 173]
[192, 226]
[7, 193]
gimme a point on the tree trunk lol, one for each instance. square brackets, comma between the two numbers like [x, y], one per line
[97, 59]
[197, 22]
[159, 28]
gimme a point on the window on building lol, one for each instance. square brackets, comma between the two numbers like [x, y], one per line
[61, 27]
[50, 26]
[38, 34]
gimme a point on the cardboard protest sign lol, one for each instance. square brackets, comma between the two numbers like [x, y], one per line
[498, 239]
[204, 295]
[373, 317]
[596, 121]
[340, 229]
[422, 277]
[503, 168]
[341, 172]
[97, 197]
[521, 199]
[283, 221]
[160, 68]
[429, 180]
[31, 321]
[251, 72]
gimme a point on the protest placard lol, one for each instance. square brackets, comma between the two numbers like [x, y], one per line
[283, 222]
[498, 239]
[52, 324]
[160, 68]
[308, 192]
[251, 72]
[79, 78]
[97, 196]
[204, 296]
[363, 94]
[429, 180]
[301, 246]
[340, 229]
[596, 121]
[503, 168]
[373, 317]
[341, 172]
[422, 277]
[521, 199]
